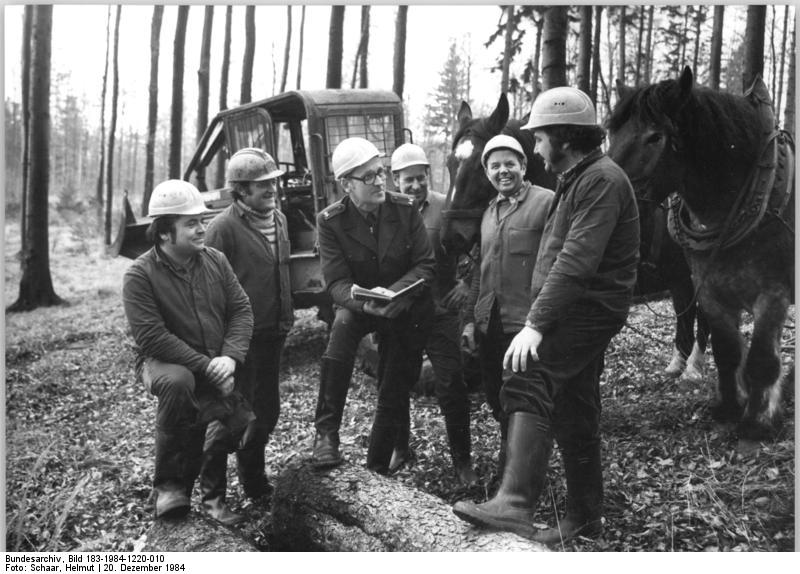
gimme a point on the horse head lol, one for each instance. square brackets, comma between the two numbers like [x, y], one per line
[470, 190]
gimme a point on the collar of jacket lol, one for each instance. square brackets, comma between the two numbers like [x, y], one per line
[518, 197]
[565, 178]
[356, 226]
[164, 259]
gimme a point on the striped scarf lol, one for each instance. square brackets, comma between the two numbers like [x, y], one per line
[264, 222]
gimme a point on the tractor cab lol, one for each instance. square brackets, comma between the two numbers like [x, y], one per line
[299, 129]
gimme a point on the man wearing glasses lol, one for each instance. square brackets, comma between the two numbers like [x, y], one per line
[370, 238]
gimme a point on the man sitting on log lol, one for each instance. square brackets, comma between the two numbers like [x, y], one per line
[370, 238]
[192, 323]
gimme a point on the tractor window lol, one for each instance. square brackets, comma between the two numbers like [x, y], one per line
[377, 128]
[252, 128]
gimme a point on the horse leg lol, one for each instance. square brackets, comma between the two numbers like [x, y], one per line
[695, 364]
[682, 292]
[728, 351]
[761, 418]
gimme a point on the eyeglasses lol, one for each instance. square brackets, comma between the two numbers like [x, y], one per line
[369, 177]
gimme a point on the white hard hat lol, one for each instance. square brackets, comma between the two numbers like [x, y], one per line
[175, 197]
[501, 141]
[351, 153]
[407, 155]
[251, 164]
[562, 106]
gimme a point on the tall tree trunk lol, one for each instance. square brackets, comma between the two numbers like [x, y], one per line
[648, 50]
[716, 48]
[101, 173]
[537, 58]
[249, 54]
[335, 41]
[773, 59]
[699, 19]
[112, 128]
[754, 44]
[585, 50]
[360, 62]
[783, 58]
[400, 51]
[203, 73]
[639, 55]
[554, 52]
[300, 47]
[684, 37]
[287, 49]
[176, 118]
[36, 284]
[223, 90]
[622, 46]
[27, 34]
[788, 112]
[507, 55]
[598, 20]
[152, 108]
[363, 76]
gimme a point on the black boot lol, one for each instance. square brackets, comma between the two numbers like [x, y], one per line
[513, 507]
[169, 480]
[402, 452]
[459, 438]
[584, 472]
[334, 382]
[214, 470]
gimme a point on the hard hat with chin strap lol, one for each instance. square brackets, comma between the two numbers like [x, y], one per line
[251, 164]
[351, 153]
[562, 106]
[407, 155]
[175, 197]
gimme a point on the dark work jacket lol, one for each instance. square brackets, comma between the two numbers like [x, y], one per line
[509, 245]
[350, 254]
[187, 317]
[445, 279]
[264, 275]
[590, 247]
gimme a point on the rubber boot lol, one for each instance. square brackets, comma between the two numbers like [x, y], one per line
[251, 463]
[219, 511]
[459, 438]
[381, 444]
[584, 472]
[172, 500]
[334, 382]
[513, 507]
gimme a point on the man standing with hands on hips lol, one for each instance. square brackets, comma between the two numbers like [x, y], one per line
[370, 238]
[581, 290]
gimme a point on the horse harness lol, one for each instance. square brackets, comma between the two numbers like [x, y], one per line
[768, 190]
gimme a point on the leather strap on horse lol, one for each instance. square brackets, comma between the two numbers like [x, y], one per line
[770, 179]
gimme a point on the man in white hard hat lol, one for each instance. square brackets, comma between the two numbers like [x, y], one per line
[253, 235]
[511, 229]
[581, 290]
[370, 238]
[410, 172]
[191, 321]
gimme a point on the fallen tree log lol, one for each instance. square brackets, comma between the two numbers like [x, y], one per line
[195, 533]
[351, 509]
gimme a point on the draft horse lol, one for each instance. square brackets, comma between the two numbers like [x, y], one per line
[663, 266]
[732, 173]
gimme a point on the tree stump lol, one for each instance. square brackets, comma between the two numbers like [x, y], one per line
[351, 509]
[195, 533]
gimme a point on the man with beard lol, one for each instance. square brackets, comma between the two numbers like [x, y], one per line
[252, 234]
[192, 323]
[410, 171]
[500, 297]
[374, 239]
[581, 290]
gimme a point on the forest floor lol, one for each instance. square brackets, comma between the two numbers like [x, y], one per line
[79, 432]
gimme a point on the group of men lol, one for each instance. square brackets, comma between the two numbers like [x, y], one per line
[210, 310]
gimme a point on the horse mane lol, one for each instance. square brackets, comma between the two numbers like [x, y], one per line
[718, 130]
